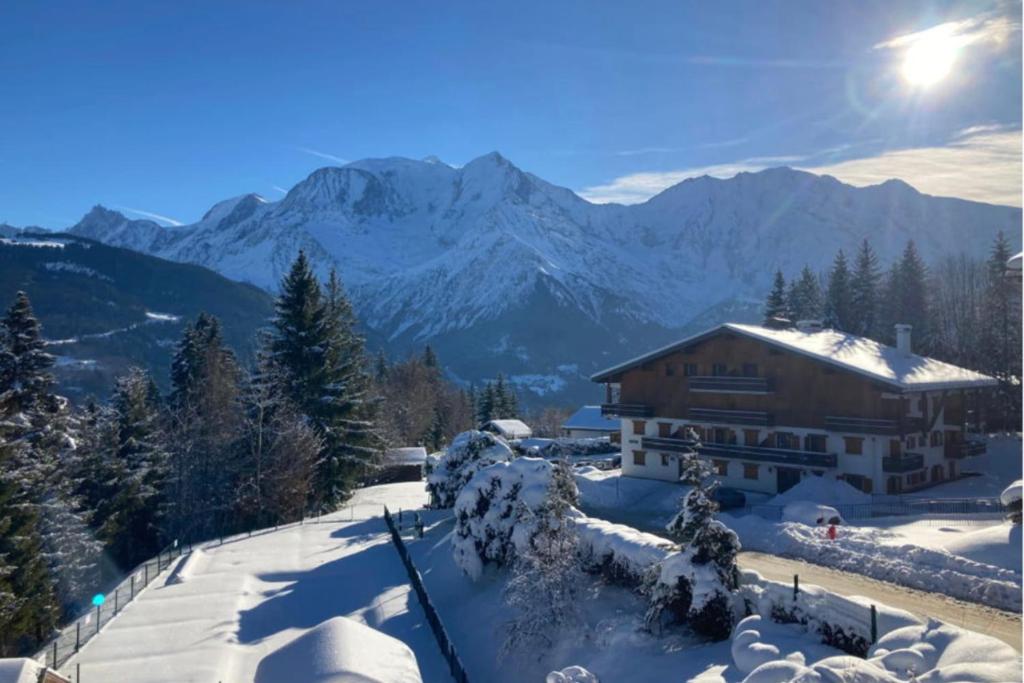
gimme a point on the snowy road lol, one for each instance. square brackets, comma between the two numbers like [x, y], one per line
[1005, 626]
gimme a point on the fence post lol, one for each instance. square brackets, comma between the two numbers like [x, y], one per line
[55, 653]
[796, 585]
[146, 566]
[117, 592]
[78, 672]
[874, 625]
[133, 588]
[98, 608]
[78, 636]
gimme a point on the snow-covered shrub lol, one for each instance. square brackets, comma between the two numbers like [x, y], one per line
[468, 453]
[544, 588]
[497, 511]
[698, 584]
[1011, 498]
[571, 674]
[620, 553]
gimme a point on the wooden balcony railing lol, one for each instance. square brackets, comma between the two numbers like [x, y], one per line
[667, 444]
[721, 384]
[782, 456]
[626, 410]
[908, 462]
[732, 417]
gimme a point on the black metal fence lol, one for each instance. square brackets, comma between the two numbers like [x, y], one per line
[444, 642]
[73, 636]
[964, 510]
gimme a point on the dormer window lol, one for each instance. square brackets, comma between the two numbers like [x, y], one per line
[719, 369]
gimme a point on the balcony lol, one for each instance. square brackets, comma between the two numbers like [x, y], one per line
[667, 444]
[908, 462]
[731, 385]
[626, 410]
[861, 425]
[731, 417]
[781, 456]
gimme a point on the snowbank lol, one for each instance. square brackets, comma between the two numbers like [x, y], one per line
[618, 551]
[860, 551]
[1011, 494]
[811, 514]
[823, 489]
[187, 567]
[924, 653]
[341, 650]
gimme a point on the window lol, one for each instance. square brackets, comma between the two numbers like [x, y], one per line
[664, 459]
[751, 437]
[787, 440]
[719, 369]
[639, 426]
[936, 438]
[816, 443]
[664, 429]
[639, 458]
[690, 369]
[750, 369]
[895, 449]
[669, 370]
[911, 442]
[723, 435]
[854, 445]
[749, 471]
[721, 467]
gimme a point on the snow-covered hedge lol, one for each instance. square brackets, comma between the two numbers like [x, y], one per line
[621, 553]
[497, 509]
[468, 453]
[841, 621]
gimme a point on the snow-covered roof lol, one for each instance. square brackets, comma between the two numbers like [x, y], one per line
[510, 429]
[411, 455]
[1011, 494]
[590, 417]
[19, 670]
[908, 372]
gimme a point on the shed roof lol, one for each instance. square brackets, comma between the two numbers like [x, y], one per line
[590, 417]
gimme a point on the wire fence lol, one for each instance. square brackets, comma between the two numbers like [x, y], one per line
[73, 636]
[440, 634]
[963, 511]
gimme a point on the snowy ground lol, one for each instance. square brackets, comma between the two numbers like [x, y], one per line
[215, 617]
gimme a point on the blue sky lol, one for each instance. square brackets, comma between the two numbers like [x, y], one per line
[166, 108]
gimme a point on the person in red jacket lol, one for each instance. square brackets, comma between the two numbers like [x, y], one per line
[831, 532]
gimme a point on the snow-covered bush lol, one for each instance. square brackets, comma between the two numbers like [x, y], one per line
[571, 674]
[622, 554]
[698, 584]
[1011, 498]
[468, 453]
[497, 511]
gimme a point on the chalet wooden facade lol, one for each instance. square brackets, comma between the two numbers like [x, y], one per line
[771, 406]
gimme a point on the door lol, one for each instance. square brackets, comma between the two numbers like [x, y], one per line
[786, 478]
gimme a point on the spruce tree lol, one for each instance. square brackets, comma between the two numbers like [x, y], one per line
[838, 299]
[907, 300]
[775, 304]
[1000, 337]
[804, 297]
[485, 405]
[864, 287]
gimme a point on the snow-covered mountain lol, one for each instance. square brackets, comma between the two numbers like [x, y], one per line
[501, 270]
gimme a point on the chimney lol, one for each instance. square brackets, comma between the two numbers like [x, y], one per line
[903, 338]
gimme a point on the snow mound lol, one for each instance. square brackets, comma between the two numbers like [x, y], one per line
[1011, 494]
[187, 567]
[811, 514]
[19, 670]
[341, 650]
[620, 548]
[571, 674]
[823, 489]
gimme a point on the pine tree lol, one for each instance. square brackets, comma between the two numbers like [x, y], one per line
[485, 405]
[804, 297]
[906, 300]
[864, 292]
[775, 304]
[380, 368]
[838, 299]
[131, 525]
[1000, 337]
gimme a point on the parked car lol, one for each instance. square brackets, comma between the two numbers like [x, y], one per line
[811, 514]
[729, 498]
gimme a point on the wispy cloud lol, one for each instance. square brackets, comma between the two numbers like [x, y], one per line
[638, 187]
[154, 216]
[322, 155]
[982, 163]
[984, 28]
[279, 189]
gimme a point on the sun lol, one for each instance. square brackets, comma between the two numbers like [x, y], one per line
[929, 60]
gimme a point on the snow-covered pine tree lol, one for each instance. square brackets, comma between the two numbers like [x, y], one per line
[907, 300]
[1001, 331]
[205, 424]
[838, 298]
[775, 304]
[804, 297]
[138, 472]
[864, 291]
[485, 405]
[505, 401]
[544, 589]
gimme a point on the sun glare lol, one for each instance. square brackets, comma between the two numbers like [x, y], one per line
[929, 60]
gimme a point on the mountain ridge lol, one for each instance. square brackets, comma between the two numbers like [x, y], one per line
[433, 253]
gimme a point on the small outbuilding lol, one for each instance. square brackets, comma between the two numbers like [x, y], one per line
[589, 423]
[509, 429]
[25, 670]
[403, 464]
